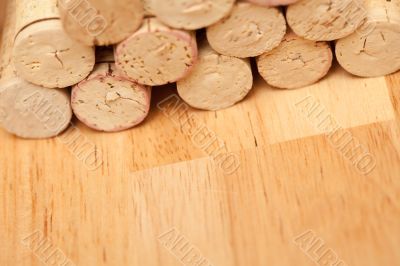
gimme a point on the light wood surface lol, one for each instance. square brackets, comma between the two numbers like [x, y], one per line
[153, 179]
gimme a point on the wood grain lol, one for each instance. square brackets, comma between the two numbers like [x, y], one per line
[153, 178]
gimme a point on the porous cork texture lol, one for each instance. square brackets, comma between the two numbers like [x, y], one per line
[43, 53]
[189, 14]
[296, 63]
[250, 30]
[325, 20]
[272, 2]
[156, 54]
[106, 22]
[31, 11]
[217, 81]
[33, 112]
[27, 110]
[374, 49]
[46, 56]
[107, 101]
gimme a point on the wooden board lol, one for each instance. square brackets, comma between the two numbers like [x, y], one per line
[163, 192]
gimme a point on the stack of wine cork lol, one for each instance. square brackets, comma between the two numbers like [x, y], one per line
[99, 59]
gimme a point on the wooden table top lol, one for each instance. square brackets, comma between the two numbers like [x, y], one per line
[302, 177]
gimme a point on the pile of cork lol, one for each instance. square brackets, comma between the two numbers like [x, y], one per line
[99, 59]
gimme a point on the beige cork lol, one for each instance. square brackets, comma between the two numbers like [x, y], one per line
[31, 11]
[43, 53]
[157, 54]
[147, 8]
[190, 14]
[28, 110]
[250, 30]
[101, 22]
[217, 81]
[108, 101]
[374, 49]
[272, 2]
[325, 20]
[295, 63]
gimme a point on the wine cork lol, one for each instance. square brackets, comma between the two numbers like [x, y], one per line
[108, 101]
[250, 30]
[28, 110]
[43, 53]
[31, 11]
[295, 63]
[374, 50]
[190, 14]
[157, 54]
[147, 8]
[217, 81]
[325, 20]
[272, 2]
[101, 22]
